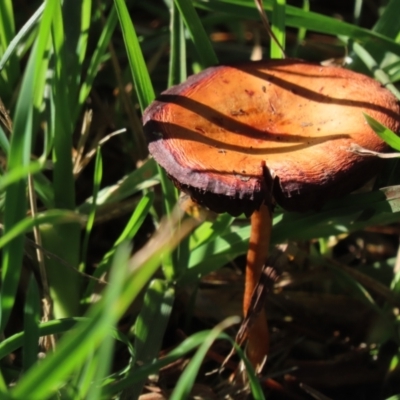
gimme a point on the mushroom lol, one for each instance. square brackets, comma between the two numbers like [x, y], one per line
[240, 139]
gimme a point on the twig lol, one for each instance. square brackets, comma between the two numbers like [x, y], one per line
[264, 19]
[361, 151]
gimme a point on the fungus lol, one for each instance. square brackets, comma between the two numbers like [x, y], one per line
[240, 139]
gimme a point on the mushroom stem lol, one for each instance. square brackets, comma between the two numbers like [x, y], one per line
[257, 336]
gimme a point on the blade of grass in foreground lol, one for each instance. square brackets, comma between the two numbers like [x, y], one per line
[20, 149]
[102, 365]
[54, 327]
[47, 217]
[126, 281]
[42, 381]
[19, 173]
[62, 240]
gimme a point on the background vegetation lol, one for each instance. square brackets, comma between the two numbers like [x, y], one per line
[87, 218]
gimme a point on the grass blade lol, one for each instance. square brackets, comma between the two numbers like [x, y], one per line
[27, 224]
[186, 380]
[77, 17]
[9, 72]
[54, 327]
[133, 377]
[384, 133]
[19, 173]
[20, 148]
[150, 327]
[98, 173]
[141, 78]
[131, 228]
[177, 58]
[197, 33]
[374, 68]
[65, 283]
[341, 215]
[297, 18]
[31, 325]
[140, 179]
[96, 60]
[28, 26]
[278, 28]
[387, 25]
[53, 371]
[41, 382]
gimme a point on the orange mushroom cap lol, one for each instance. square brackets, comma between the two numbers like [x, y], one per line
[234, 137]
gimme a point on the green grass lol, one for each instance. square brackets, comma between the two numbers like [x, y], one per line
[108, 298]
